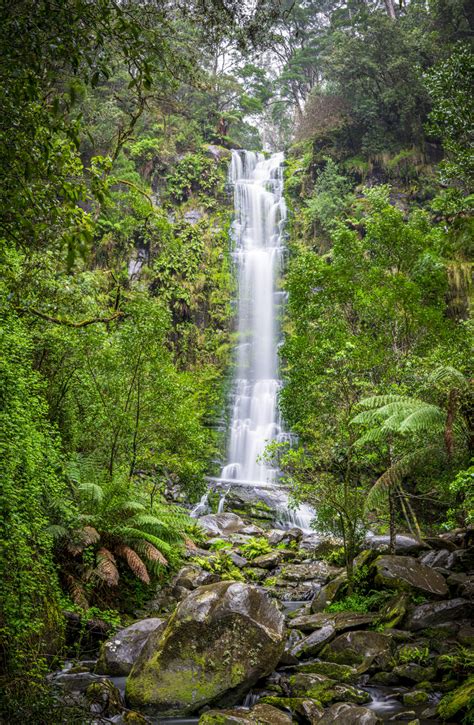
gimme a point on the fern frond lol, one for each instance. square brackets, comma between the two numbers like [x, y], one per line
[374, 435]
[425, 418]
[134, 562]
[449, 376]
[394, 475]
[130, 534]
[106, 568]
[89, 535]
[91, 492]
[377, 401]
[157, 527]
[153, 554]
[76, 590]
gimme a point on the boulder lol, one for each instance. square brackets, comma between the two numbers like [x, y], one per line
[267, 561]
[260, 714]
[344, 712]
[415, 697]
[218, 524]
[325, 690]
[329, 592]
[433, 613]
[191, 577]
[220, 640]
[310, 710]
[405, 572]
[414, 672]
[403, 544]
[314, 642]
[318, 570]
[118, 654]
[394, 610]
[363, 649]
[436, 558]
[340, 621]
[341, 673]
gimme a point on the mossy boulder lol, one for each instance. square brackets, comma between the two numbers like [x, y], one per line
[261, 714]
[329, 593]
[118, 655]
[436, 613]
[221, 639]
[343, 712]
[310, 710]
[339, 620]
[393, 612]
[414, 672]
[325, 690]
[405, 572]
[312, 644]
[416, 697]
[341, 673]
[362, 649]
[461, 700]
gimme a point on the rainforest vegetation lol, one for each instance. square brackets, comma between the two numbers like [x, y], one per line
[117, 288]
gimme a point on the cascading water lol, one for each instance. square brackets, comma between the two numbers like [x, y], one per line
[260, 214]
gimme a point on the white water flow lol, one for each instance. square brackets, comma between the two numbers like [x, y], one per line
[260, 214]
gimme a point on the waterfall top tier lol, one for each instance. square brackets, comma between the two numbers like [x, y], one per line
[260, 214]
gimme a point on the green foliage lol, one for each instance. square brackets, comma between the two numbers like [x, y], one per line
[360, 603]
[450, 86]
[221, 564]
[329, 199]
[409, 653]
[255, 547]
[220, 544]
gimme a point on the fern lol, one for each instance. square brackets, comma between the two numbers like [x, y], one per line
[134, 562]
[393, 476]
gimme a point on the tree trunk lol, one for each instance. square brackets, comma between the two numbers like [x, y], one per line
[448, 427]
[390, 8]
[392, 525]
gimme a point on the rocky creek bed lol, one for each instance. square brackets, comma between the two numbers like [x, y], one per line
[258, 628]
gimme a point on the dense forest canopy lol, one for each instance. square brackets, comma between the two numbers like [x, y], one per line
[117, 286]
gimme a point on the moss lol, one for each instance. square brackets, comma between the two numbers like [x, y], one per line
[417, 697]
[340, 673]
[462, 699]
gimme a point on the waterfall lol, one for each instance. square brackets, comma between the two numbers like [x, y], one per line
[258, 229]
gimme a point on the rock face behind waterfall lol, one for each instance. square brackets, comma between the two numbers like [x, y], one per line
[221, 639]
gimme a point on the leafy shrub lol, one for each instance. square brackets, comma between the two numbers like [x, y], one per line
[255, 547]
[220, 564]
[410, 653]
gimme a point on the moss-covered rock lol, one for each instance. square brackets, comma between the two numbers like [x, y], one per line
[416, 697]
[414, 672]
[363, 649]
[221, 639]
[119, 653]
[325, 690]
[343, 712]
[394, 610]
[261, 714]
[340, 673]
[405, 572]
[307, 708]
[459, 701]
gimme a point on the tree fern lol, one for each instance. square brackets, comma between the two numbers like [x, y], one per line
[394, 475]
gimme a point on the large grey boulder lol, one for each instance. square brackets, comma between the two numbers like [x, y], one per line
[403, 544]
[363, 649]
[344, 712]
[329, 593]
[432, 613]
[339, 620]
[311, 645]
[119, 653]
[220, 640]
[405, 572]
[314, 571]
[218, 524]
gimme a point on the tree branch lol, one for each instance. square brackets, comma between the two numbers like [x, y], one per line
[70, 323]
